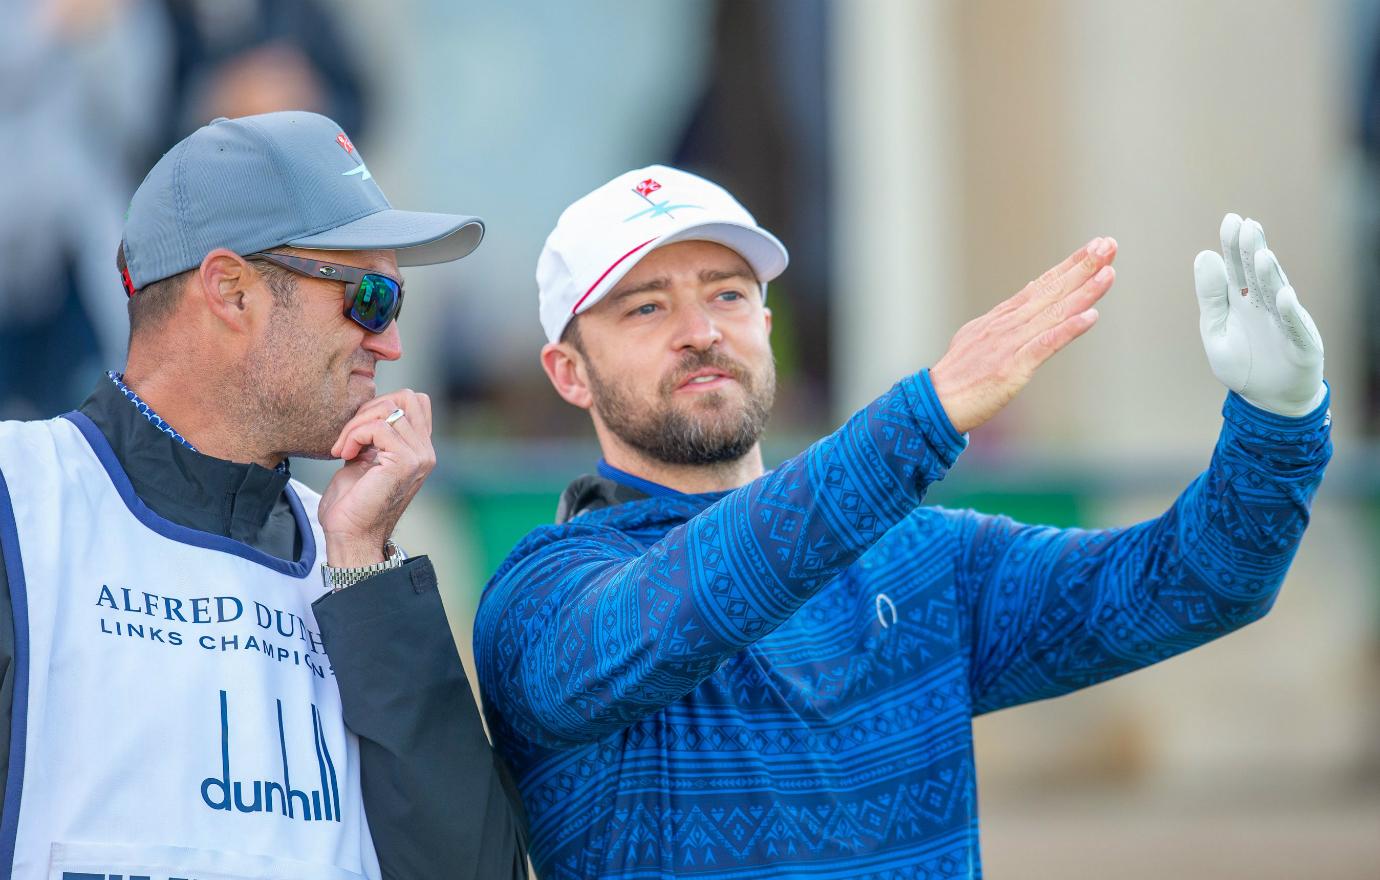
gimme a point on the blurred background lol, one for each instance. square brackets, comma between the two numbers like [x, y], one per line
[921, 160]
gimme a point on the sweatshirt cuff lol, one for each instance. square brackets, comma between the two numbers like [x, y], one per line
[1241, 413]
[932, 420]
[1296, 448]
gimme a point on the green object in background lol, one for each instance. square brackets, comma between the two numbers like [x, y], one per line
[1046, 508]
[498, 520]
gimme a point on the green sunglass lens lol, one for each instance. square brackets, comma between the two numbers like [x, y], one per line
[376, 302]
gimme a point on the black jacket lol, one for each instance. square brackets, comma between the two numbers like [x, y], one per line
[438, 802]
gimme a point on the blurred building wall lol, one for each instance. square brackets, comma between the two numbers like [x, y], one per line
[1063, 119]
[1011, 133]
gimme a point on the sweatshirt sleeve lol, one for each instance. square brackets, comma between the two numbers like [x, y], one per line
[1054, 610]
[438, 802]
[582, 634]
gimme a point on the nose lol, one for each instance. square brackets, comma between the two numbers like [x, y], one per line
[387, 346]
[697, 329]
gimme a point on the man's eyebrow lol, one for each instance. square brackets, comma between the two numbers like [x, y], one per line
[708, 276]
[622, 293]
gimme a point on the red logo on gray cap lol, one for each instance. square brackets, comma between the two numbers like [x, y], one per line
[647, 187]
[344, 140]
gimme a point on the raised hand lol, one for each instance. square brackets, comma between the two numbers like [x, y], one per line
[386, 462]
[1260, 342]
[991, 358]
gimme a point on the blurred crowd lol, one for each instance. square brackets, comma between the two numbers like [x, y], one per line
[92, 92]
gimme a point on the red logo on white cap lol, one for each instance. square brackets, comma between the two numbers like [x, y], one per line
[647, 187]
[344, 140]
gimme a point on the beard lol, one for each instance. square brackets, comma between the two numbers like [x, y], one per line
[300, 403]
[709, 429]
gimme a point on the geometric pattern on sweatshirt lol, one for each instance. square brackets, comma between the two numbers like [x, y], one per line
[780, 681]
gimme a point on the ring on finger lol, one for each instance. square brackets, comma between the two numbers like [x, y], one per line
[395, 416]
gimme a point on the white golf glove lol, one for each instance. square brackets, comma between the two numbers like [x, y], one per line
[1260, 342]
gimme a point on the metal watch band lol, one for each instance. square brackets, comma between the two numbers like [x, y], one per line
[337, 579]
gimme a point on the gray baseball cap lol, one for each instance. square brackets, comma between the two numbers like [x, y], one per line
[259, 182]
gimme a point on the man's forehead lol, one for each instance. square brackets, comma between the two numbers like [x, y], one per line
[684, 260]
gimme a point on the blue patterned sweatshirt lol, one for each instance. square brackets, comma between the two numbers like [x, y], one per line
[780, 681]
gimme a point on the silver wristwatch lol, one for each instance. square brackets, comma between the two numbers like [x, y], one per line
[337, 579]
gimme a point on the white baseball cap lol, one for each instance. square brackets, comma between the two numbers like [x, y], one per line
[599, 238]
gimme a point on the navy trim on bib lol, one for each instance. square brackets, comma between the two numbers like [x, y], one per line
[184, 535]
[19, 713]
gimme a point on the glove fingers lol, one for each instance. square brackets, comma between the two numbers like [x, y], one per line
[1269, 278]
[1261, 292]
[1270, 273]
[1230, 234]
[1298, 324]
[1214, 293]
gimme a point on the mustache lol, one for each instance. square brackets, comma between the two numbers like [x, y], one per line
[699, 360]
[367, 362]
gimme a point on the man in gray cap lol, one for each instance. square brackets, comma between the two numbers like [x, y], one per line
[209, 670]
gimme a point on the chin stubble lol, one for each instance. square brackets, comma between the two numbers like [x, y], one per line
[299, 406]
[679, 436]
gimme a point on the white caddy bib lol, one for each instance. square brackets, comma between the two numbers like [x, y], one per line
[175, 715]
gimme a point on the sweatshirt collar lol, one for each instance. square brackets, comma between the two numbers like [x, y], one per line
[646, 487]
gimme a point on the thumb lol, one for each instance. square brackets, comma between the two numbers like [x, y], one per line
[1210, 281]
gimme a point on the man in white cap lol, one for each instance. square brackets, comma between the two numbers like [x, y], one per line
[209, 670]
[708, 670]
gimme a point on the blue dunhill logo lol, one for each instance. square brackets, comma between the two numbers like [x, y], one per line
[271, 795]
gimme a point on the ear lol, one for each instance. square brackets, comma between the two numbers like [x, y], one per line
[565, 367]
[766, 316]
[231, 290]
